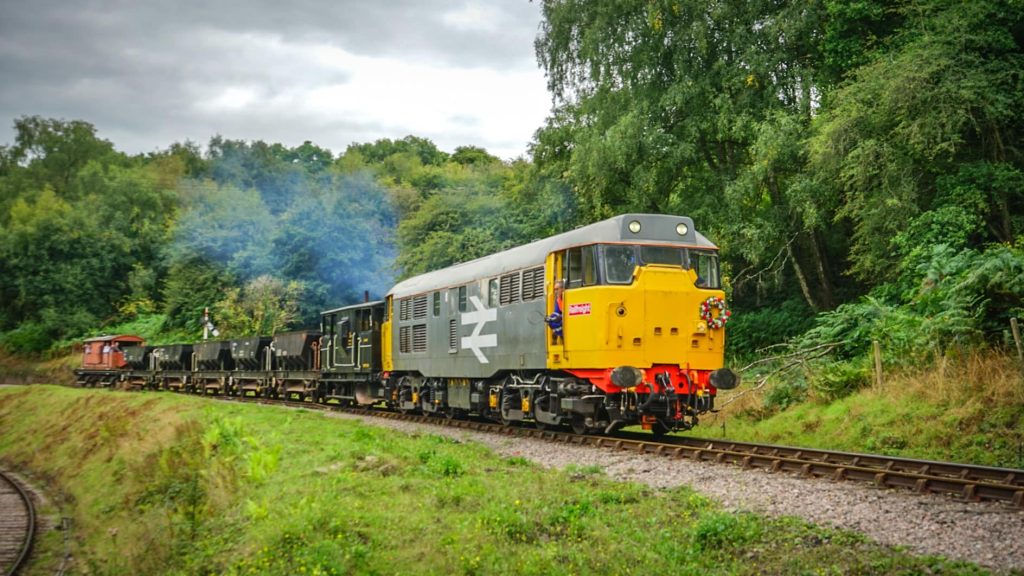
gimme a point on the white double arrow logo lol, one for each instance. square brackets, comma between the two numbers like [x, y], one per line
[476, 340]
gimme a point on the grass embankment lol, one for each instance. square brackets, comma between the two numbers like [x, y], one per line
[966, 410]
[16, 369]
[160, 483]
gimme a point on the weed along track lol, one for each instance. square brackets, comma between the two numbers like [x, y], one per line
[17, 525]
[969, 482]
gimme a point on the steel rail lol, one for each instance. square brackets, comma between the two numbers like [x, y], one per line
[969, 472]
[30, 527]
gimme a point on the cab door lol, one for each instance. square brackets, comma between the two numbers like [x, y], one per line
[347, 349]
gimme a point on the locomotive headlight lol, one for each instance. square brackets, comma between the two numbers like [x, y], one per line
[634, 226]
[682, 229]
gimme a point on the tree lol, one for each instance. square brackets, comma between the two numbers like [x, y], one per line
[927, 130]
[695, 108]
[53, 151]
[266, 305]
[48, 154]
[454, 225]
[59, 272]
[226, 225]
[376, 152]
[69, 259]
[193, 284]
[469, 155]
[338, 242]
[311, 157]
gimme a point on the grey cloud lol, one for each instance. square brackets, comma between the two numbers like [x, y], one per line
[135, 69]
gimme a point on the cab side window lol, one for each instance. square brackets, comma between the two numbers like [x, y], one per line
[705, 264]
[580, 267]
[492, 293]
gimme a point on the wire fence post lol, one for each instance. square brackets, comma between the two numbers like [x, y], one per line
[1016, 338]
[877, 348]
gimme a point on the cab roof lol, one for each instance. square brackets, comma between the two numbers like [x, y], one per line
[655, 229]
[115, 338]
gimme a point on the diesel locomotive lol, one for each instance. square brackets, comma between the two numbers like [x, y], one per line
[613, 324]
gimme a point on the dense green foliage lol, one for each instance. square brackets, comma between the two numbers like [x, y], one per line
[855, 160]
[170, 484]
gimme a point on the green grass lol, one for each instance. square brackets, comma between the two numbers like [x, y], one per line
[167, 484]
[971, 411]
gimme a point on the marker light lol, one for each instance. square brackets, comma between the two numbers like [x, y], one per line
[682, 229]
[634, 226]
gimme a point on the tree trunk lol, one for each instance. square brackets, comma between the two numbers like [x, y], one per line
[1004, 232]
[827, 301]
[801, 278]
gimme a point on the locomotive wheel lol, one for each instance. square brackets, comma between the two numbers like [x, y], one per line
[540, 402]
[504, 420]
[579, 424]
[404, 395]
[658, 429]
[449, 413]
[503, 410]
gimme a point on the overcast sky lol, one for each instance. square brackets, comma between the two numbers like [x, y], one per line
[148, 74]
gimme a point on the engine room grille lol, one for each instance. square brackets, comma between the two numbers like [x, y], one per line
[419, 336]
[403, 309]
[453, 336]
[419, 307]
[509, 291]
[533, 283]
[403, 340]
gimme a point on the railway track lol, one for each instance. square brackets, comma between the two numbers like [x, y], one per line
[17, 525]
[972, 483]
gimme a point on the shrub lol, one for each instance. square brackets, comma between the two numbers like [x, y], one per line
[785, 394]
[754, 330]
[720, 530]
[840, 379]
[29, 338]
